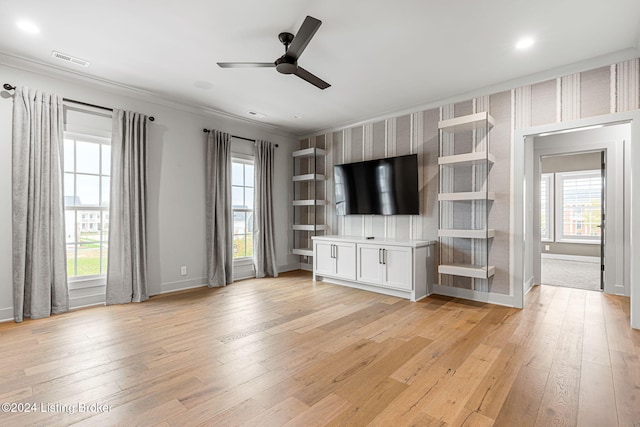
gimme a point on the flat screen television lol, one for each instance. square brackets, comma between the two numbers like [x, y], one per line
[386, 186]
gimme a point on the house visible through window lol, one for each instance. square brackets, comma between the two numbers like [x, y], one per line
[242, 203]
[87, 163]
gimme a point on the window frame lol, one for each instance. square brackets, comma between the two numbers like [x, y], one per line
[550, 206]
[244, 159]
[560, 177]
[92, 280]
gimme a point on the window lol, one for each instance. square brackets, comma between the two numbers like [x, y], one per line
[87, 163]
[579, 202]
[242, 201]
[546, 207]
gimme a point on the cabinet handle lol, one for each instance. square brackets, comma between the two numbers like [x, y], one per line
[384, 256]
[379, 256]
[333, 251]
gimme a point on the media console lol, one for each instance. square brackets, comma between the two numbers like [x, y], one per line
[401, 268]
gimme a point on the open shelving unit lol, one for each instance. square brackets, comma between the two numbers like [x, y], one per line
[465, 200]
[308, 199]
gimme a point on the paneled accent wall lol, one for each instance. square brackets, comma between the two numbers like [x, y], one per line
[595, 92]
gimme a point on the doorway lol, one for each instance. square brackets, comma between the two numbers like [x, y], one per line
[524, 246]
[571, 207]
[579, 226]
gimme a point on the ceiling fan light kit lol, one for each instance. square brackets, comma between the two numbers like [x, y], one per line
[293, 48]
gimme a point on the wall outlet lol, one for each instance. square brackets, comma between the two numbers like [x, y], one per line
[547, 248]
[183, 270]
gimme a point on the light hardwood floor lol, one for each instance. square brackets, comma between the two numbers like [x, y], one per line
[288, 351]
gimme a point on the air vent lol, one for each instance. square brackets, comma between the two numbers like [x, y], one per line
[69, 58]
[256, 114]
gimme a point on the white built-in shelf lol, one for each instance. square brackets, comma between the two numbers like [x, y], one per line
[467, 159]
[309, 202]
[467, 270]
[308, 177]
[303, 251]
[309, 152]
[481, 120]
[468, 234]
[309, 227]
[475, 195]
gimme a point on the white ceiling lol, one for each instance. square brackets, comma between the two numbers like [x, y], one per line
[380, 56]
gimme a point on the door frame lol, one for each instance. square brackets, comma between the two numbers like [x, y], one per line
[595, 141]
[523, 248]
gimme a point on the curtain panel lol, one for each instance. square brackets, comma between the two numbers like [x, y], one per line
[127, 265]
[39, 256]
[219, 216]
[264, 245]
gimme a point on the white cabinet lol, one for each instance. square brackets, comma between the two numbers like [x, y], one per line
[388, 266]
[335, 259]
[402, 268]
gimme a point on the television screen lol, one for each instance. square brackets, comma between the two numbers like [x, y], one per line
[378, 187]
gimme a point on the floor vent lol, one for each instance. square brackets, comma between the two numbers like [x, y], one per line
[69, 58]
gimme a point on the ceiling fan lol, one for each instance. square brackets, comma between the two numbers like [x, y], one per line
[293, 48]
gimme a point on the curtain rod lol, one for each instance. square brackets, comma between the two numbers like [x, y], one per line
[7, 86]
[235, 136]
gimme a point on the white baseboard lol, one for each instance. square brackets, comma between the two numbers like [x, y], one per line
[6, 314]
[528, 285]
[579, 258]
[288, 267]
[87, 301]
[182, 285]
[306, 267]
[469, 294]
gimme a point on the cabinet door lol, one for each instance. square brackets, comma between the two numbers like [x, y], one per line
[398, 267]
[323, 262]
[345, 254]
[369, 264]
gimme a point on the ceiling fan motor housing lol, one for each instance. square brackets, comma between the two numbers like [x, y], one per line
[286, 65]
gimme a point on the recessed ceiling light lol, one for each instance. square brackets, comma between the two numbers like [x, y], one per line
[297, 116]
[525, 43]
[28, 27]
[256, 114]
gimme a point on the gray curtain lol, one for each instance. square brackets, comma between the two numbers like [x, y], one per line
[127, 263]
[264, 245]
[219, 217]
[39, 257]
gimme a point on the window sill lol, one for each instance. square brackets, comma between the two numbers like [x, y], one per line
[87, 282]
[579, 241]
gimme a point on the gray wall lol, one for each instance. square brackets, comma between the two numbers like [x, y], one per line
[571, 163]
[176, 181]
[595, 92]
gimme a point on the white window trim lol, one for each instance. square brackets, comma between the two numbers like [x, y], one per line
[559, 220]
[550, 207]
[247, 160]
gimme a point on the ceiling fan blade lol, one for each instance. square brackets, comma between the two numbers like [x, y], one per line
[303, 37]
[314, 80]
[246, 64]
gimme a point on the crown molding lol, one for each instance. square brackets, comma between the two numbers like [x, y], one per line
[576, 67]
[72, 76]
